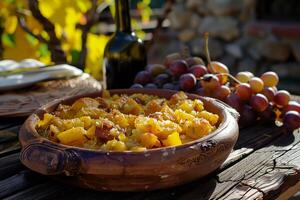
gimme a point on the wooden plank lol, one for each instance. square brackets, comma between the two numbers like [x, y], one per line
[209, 188]
[48, 190]
[10, 165]
[9, 122]
[9, 148]
[9, 142]
[251, 139]
[201, 189]
[18, 182]
[9, 134]
[267, 172]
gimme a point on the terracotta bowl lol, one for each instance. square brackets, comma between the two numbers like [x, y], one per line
[130, 171]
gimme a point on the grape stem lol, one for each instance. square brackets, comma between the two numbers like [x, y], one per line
[232, 77]
[225, 74]
[206, 49]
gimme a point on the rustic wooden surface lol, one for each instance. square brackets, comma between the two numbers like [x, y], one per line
[24, 101]
[265, 164]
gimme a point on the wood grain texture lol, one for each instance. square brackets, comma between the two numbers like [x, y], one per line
[9, 142]
[10, 165]
[26, 101]
[264, 164]
[267, 172]
[18, 182]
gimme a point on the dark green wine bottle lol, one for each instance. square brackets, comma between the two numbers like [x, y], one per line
[124, 54]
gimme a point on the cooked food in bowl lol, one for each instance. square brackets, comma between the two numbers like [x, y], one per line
[128, 122]
[160, 166]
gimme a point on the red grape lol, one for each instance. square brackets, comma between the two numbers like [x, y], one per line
[201, 92]
[234, 101]
[198, 70]
[270, 79]
[136, 86]
[210, 82]
[243, 91]
[178, 68]
[269, 92]
[218, 67]
[156, 69]
[191, 61]
[176, 86]
[256, 84]
[259, 102]
[143, 77]
[291, 120]
[151, 86]
[268, 115]
[282, 98]
[168, 86]
[171, 58]
[161, 79]
[187, 82]
[244, 77]
[222, 92]
[292, 106]
[248, 116]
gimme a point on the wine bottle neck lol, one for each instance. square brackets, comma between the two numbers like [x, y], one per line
[123, 16]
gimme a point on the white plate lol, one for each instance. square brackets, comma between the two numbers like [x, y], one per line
[49, 73]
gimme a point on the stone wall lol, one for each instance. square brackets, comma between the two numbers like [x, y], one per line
[236, 37]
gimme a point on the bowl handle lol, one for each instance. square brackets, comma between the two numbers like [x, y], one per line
[49, 159]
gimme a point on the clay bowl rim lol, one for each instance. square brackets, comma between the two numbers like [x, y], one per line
[30, 123]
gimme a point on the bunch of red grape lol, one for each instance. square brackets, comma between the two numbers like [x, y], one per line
[255, 98]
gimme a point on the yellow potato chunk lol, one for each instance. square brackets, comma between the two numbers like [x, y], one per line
[70, 123]
[179, 96]
[172, 140]
[197, 128]
[132, 107]
[168, 113]
[182, 116]
[54, 129]
[122, 137]
[116, 145]
[186, 106]
[73, 135]
[46, 121]
[198, 105]
[121, 120]
[149, 140]
[211, 117]
[153, 106]
[168, 127]
[146, 124]
[84, 102]
[90, 133]
[87, 121]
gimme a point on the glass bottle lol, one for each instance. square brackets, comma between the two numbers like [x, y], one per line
[125, 54]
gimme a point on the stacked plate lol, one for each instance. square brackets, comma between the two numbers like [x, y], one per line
[15, 75]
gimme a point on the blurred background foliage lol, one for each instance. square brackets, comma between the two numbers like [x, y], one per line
[25, 29]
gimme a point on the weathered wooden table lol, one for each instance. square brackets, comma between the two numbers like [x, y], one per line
[265, 164]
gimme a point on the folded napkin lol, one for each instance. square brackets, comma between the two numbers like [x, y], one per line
[15, 75]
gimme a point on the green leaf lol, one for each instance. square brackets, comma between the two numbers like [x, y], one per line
[75, 55]
[32, 41]
[43, 50]
[8, 40]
